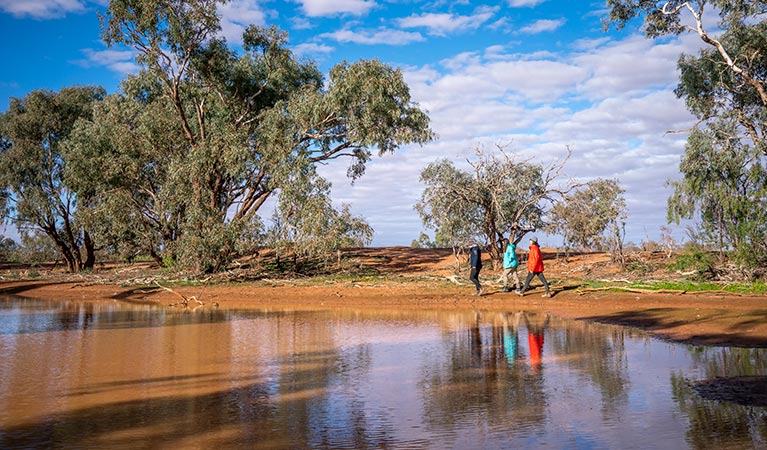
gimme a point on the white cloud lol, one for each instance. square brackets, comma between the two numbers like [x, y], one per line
[301, 23]
[590, 44]
[373, 37]
[632, 64]
[540, 80]
[120, 61]
[541, 26]
[614, 120]
[523, 3]
[236, 15]
[443, 23]
[309, 48]
[321, 8]
[41, 9]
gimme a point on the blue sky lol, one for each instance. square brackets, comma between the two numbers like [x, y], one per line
[535, 76]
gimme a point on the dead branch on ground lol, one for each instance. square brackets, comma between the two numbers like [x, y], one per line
[184, 300]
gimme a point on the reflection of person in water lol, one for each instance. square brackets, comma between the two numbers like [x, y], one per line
[535, 340]
[510, 340]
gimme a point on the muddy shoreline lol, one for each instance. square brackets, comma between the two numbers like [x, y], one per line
[704, 319]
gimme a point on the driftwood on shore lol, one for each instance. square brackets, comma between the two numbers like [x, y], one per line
[653, 291]
[628, 289]
[184, 300]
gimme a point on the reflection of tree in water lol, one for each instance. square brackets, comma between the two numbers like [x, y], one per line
[51, 316]
[599, 356]
[486, 375]
[319, 386]
[294, 401]
[715, 423]
[730, 361]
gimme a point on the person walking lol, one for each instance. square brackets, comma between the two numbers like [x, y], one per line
[535, 268]
[475, 261]
[510, 264]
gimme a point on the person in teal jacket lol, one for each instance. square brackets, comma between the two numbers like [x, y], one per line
[510, 264]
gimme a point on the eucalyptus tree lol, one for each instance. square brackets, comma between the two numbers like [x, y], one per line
[588, 212]
[34, 194]
[205, 135]
[7, 248]
[306, 224]
[724, 184]
[498, 196]
[727, 79]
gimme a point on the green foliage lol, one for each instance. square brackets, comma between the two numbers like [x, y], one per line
[689, 286]
[179, 164]
[306, 224]
[757, 287]
[725, 184]
[423, 241]
[586, 213]
[700, 262]
[693, 286]
[725, 86]
[34, 192]
[7, 248]
[36, 248]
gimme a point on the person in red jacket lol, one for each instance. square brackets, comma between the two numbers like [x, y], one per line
[535, 268]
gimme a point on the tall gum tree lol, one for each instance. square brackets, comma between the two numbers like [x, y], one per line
[219, 132]
[32, 166]
[725, 86]
[726, 80]
[724, 185]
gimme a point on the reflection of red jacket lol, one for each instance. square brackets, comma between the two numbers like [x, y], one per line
[534, 259]
[535, 341]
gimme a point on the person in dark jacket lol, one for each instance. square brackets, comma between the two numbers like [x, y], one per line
[475, 261]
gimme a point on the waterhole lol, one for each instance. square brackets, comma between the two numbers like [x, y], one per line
[108, 374]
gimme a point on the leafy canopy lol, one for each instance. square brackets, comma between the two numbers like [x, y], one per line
[724, 184]
[33, 194]
[195, 144]
[585, 214]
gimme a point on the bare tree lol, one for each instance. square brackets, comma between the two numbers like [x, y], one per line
[497, 196]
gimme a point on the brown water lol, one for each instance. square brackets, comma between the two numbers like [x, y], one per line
[113, 375]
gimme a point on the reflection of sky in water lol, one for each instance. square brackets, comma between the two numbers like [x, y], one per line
[354, 379]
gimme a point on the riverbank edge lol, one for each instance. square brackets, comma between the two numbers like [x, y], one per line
[719, 319]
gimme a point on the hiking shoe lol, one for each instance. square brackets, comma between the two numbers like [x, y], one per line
[520, 293]
[480, 292]
[546, 295]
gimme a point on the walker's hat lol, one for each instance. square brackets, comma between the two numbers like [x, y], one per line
[534, 239]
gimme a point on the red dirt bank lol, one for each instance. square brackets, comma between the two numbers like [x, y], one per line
[422, 279]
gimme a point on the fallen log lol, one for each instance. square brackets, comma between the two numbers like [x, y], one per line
[656, 291]
[184, 300]
[635, 290]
